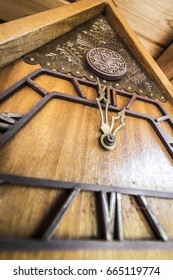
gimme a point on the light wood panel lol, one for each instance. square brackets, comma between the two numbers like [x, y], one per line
[151, 19]
[10, 10]
[165, 61]
[153, 48]
[91, 255]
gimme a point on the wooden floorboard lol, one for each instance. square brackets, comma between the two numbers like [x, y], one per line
[165, 61]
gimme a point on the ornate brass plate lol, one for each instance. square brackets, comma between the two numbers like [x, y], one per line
[67, 54]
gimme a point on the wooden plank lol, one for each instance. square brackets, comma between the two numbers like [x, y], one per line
[136, 18]
[151, 19]
[91, 255]
[120, 25]
[21, 36]
[153, 48]
[165, 61]
[11, 10]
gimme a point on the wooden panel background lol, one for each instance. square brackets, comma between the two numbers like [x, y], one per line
[29, 206]
[151, 20]
[165, 61]
[10, 9]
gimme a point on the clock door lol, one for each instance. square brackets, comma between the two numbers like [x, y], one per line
[63, 185]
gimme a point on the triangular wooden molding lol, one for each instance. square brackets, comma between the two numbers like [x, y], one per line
[21, 36]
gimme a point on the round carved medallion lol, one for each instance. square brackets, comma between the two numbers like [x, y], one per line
[106, 63]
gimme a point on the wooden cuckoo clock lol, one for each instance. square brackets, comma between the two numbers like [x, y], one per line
[86, 141]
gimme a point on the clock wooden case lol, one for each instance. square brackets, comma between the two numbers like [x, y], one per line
[59, 189]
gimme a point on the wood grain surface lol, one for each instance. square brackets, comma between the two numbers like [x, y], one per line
[61, 142]
[11, 10]
[150, 20]
[165, 61]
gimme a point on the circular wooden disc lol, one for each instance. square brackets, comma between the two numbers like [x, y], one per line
[106, 63]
